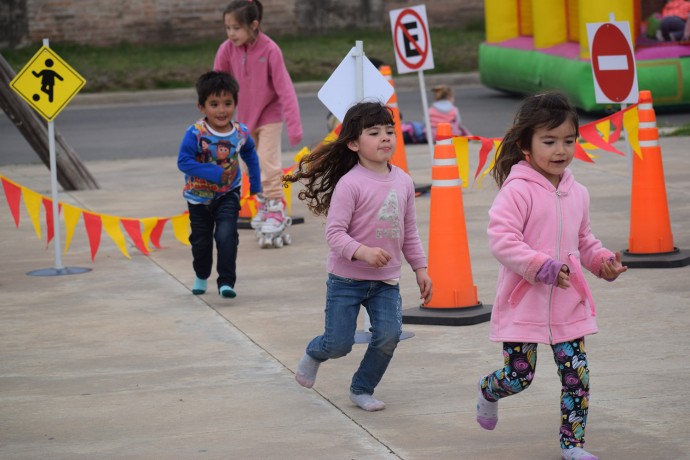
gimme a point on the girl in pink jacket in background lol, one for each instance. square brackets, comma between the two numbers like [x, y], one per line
[267, 97]
[540, 233]
[444, 110]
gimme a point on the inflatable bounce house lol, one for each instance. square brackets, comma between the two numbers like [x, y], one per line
[533, 45]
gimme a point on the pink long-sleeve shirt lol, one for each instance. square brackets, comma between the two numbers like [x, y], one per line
[376, 210]
[267, 94]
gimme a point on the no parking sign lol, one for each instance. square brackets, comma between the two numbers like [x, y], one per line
[411, 39]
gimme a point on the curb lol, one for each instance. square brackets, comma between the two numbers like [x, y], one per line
[311, 88]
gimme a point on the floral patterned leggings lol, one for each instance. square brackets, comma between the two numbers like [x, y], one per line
[520, 363]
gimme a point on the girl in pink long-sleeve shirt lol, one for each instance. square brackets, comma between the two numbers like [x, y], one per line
[267, 98]
[539, 231]
[371, 225]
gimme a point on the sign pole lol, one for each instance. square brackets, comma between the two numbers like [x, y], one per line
[624, 134]
[53, 187]
[359, 70]
[425, 106]
[58, 269]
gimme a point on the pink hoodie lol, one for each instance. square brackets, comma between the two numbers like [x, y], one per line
[267, 94]
[531, 222]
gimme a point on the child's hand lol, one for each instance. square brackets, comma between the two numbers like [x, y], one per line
[564, 277]
[376, 257]
[425, 285]
[610, 269]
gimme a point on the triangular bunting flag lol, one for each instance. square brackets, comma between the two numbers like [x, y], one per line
[111, 225]
[72, 215]
[32, 201]
[13, 194]
[133, 229]
[181, 228]
[157, 232]
[93, 225]
[149, 224]
[462, 155]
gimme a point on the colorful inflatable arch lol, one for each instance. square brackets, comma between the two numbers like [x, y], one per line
[532, 45]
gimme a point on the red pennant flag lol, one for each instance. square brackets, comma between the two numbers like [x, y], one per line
[133, 228]
[487, 146]
[590, 134]
[48, 206]
[13, 193]
[580, 154]
[617, 120]
[94, 226]
[157, 232]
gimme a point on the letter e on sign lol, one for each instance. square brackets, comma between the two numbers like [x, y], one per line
[411, 39]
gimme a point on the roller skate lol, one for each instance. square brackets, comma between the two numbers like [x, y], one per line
[272, 232]
[260, 216]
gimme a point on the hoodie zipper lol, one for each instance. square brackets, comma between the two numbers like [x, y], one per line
[558, 255]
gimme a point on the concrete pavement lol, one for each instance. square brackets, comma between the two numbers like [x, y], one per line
[123, 362]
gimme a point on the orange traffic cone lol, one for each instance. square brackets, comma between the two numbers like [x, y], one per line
[651, 240]
[399, 158]
[454, 302]
[245, 209]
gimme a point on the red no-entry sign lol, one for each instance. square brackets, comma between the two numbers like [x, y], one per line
[613, 62]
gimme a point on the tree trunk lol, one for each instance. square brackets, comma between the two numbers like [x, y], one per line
[71, 172]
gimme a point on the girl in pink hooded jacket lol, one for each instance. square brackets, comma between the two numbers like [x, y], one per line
[267, 98]
[539, 231]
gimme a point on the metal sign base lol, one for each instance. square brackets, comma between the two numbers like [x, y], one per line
[58, 271]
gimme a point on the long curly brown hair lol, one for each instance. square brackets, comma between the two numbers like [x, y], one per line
[321, 170]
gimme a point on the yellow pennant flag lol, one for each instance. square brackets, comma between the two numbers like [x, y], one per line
[604, 128]
[631, 123]
[287, 191]
[111, 225]
[180, 225]
[305, 151]
[149, 224]
[32, 201]
[71, 215]
[462, 155]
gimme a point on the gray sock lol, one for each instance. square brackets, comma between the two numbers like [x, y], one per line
[306, 371]
[577, 453]
[367, 402]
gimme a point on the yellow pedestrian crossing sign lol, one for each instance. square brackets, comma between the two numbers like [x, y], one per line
[47, 83]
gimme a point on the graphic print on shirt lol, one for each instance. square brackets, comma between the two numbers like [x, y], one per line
[390, 214]
[222, 151]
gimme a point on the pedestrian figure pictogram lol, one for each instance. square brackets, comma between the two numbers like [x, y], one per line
[47, 77]
[47, 83]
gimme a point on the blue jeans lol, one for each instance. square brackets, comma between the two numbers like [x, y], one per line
[384, 305]
[216, 220]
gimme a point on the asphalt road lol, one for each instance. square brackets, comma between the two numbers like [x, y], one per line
[154, 128]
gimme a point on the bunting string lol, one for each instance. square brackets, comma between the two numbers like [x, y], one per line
[145, 232]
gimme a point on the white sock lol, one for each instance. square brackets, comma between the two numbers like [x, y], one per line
[487, 411]
[577, 453]
[306, 371]
[367, 402]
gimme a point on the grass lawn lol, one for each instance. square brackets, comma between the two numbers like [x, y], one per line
[129, 67]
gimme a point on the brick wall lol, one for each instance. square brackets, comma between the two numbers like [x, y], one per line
[101, 23]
